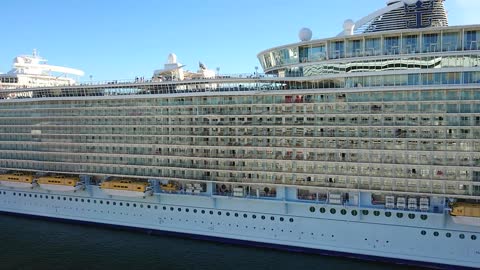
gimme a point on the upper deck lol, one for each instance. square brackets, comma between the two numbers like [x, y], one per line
[403, 44]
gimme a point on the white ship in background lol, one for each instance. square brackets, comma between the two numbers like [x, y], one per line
[33, 71]
[363, 145]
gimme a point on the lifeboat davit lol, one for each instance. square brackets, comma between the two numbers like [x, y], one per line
[17, 180]
[126, 188]
[466, 213]
[60, 183]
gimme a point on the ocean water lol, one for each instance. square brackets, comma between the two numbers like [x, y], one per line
[39, 244]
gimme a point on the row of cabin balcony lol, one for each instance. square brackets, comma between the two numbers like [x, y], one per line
[314, 173]
[373, 45]
[449, 115]
[182, 144]
[426, 172]
[422, 105]
[372, 155]
[246, 104]
[333, 181]
[148, 145]
[310, 138]
[416, 79]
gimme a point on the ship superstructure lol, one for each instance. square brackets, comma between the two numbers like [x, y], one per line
[365, 145]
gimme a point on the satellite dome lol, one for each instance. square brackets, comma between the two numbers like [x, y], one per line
[305, 34]
[348, 27]
[172, 58]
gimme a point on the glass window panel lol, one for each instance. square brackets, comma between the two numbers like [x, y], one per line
[430, 43]
[410, 44]
[451, 41]
[471, 39]
[391, 45]
[337, 49]
[372, 46]
[354, 48]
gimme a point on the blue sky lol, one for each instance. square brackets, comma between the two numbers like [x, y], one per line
[127, 38]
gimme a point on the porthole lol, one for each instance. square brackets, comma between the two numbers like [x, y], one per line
[424, 217]
[219, 213]
[322, 210]
[236, 214]
[343, 211]
[291, 220]
[108, 202]
[203, 211]
[411, 216]
[211, 212]
[282, 219]
[95, 201]
[70, 199]
[121, 204]
[462, 236]
[35, 196]
[254, 216]
[388, 214]
[101, 202]
[228, 214]
[263, 217]
[134, 205]
[171, 208]
[473, 237]
[312, 209]
[148, 206]
[354, 212]
[30, 195]
[141, 205]
[164, 208]
[64, 198]
[88, 200]
[156, 207]
[128, 204]
[436, 234]
[186, 210]
[399, 215]
[333, 211]
[365, 212]
[114, 203]
[376, 213]
[245, 215]
[272, 218]
[423, 232]
[179, 209]
[448, 235]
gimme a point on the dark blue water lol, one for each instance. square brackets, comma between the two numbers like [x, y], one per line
[38, 244]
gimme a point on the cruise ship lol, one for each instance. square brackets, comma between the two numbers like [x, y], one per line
[363, 145]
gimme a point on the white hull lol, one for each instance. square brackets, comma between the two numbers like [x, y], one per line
[60, 187]
[126, 193]
[471, 221]
[270, 222]
[16, 184]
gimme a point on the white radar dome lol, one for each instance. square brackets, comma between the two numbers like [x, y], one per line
[305, 34]
[348, 26]
[172, 58]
